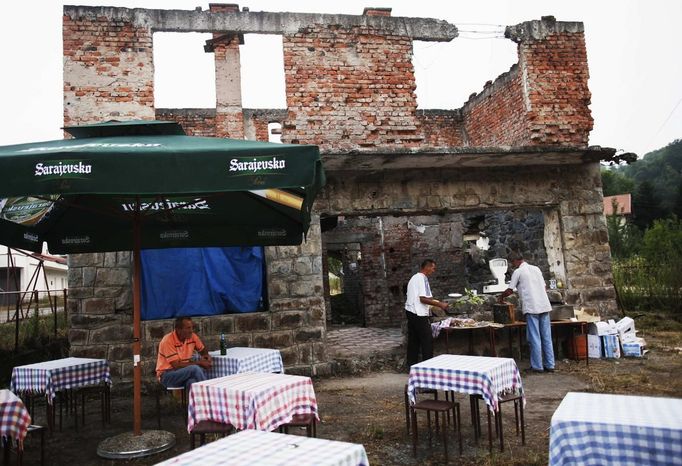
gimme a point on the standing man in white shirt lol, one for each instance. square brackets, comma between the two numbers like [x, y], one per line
[419, 298]
[528, 280]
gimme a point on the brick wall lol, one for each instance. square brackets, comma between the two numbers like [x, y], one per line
[108, 70]
[349, 88]
[497, 116]
[544, 99]
[442, 128]
[195, 121]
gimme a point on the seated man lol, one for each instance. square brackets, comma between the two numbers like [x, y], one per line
[175, 364]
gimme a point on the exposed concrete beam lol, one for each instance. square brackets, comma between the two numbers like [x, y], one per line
[489, 157]
[250, 22]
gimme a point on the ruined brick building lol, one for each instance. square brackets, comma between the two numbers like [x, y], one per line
[403, 184]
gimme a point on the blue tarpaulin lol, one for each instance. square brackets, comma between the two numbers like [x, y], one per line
[201, 281]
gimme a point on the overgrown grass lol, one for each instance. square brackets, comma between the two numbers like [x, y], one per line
[37, 342]
[643, 286]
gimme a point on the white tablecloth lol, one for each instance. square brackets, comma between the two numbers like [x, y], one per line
[601, 429]
[253, 447]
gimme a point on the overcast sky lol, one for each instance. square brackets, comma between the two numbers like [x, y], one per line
[633, 49]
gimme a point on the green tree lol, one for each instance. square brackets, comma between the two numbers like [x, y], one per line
[624, 238]
[663, 241]
[616, 182]
[646, 206]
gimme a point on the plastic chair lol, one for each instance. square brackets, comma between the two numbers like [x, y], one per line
[171, 391]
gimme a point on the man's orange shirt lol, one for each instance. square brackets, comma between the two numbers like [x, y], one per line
[172, 349]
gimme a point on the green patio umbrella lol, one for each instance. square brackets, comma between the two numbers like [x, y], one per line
[145, 184]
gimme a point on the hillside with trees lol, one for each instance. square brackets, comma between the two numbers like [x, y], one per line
[647, 252]
[655, 182]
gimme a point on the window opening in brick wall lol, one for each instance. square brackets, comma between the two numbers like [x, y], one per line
[447, 73]
[184, 75]
[262, 71]
[275, 132]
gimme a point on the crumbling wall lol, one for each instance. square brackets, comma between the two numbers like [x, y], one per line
[542, 100]
[574, 193]
[108, 70]
[442, 128]
[350, 87]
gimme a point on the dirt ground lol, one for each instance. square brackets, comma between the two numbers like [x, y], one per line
[370, 410]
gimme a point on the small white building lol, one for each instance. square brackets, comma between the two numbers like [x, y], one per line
[22, 271]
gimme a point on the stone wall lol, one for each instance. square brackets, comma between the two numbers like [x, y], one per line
[100, 311]
[407, 235]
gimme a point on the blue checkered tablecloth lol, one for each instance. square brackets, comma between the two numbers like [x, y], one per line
[616, 430]
[475, 375]
[51, 377]
[253, 447]
[240, 359]
[14, 417]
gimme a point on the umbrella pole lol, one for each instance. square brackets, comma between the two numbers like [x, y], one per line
[137, 370]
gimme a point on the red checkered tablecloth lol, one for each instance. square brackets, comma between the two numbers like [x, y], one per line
[475, 375]
[251, 400]
[14, 417]
[51, 377]
[254, 447]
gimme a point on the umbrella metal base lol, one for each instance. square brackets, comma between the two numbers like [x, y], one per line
[129, 445]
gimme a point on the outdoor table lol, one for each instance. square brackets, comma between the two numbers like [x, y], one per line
[239, 359]
[602, 429]
[14, 417]
[251, 400]
[50, 377]
[251, 447]
[487, 329]
[474, 375]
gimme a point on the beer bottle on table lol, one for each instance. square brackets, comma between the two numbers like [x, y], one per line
[223, 345]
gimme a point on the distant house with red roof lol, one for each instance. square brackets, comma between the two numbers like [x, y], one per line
[620, 205]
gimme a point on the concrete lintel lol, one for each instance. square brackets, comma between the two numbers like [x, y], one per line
[467, 157]
[540, 29]
[426, 29]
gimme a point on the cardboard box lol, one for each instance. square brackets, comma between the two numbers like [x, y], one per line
[594, 346]
[603, 328]
[625, 325]
[610, 346]
[635, 349]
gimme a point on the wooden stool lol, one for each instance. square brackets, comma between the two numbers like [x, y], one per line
[439, 407]
[208, 427]
[309, 421]
[104, 393]
[32, 429]
[432, 391]
[518, 416]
